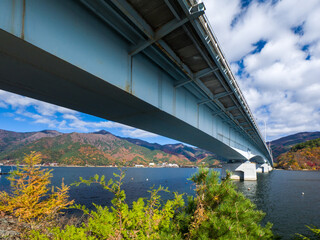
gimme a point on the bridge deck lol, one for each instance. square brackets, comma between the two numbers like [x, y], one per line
[181, 32]
[154, 65]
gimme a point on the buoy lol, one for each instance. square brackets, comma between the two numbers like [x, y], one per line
[147, 179]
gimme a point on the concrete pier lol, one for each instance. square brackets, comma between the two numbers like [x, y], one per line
[240, 171]
[263, 168]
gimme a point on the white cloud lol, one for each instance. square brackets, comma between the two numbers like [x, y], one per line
[19, 119]
[138, 133]
[125, 130]
[56, 117]
[19, 102]
[281, 82]
[3, 105]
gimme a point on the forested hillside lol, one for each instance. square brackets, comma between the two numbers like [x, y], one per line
[284, 144]
[302, 156]
[98, 148]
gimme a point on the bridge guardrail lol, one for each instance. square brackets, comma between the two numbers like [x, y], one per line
[224, 64]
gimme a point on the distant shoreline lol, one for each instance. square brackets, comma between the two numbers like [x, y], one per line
[305, 170]
[99, 166]
[77, 166]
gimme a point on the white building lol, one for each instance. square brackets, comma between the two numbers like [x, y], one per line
[138, 166]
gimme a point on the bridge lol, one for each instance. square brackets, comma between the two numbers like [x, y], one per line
[154, 65]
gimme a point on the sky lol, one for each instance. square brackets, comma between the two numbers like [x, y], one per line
[23, 114]
[273, 48]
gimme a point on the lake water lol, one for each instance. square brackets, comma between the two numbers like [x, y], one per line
[278, 194]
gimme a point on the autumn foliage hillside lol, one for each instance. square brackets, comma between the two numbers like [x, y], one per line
[98, 149]
[284, 144]
[302, 156]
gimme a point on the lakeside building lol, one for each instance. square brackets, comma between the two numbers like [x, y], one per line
[170, 165]
[139, 166]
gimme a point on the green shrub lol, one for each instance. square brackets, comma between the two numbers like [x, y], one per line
[315, 234]
[217, 212]
[220, 212]
[145, 220]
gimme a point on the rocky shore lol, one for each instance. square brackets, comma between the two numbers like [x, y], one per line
[10, 228]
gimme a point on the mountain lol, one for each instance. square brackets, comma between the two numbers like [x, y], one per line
[104, 148]
[10, 140]
[284, 144]
[179, 149]
[98, 148]
[304, 155]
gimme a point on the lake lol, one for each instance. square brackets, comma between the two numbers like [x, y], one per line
[278, 193]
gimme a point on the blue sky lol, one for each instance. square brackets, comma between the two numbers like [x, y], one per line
[22, 114]
[273, 48]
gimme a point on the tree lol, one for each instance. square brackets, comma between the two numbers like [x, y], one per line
[145, 220]
[217, 212]
[315, 234]
[220, 212]
[31, 200]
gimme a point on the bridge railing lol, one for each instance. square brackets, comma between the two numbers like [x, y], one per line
[227, 70]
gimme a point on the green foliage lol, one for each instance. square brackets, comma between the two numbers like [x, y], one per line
[147, 219]
[220, 212]
[217, 212]
[308, 144]
[71, 232]
[315, 234]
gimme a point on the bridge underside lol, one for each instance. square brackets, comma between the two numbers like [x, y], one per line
[112, 64]
[32, 72]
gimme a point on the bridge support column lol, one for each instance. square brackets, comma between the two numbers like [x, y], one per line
[240, 171]
[263, 168]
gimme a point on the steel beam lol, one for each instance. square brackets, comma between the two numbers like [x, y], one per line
[121, 26]
[182, 83]
[221, 95]
[205, 72]
[211, 51]
[148, 32]
[231, 108]
[227, 120]
[163, 46]
[200, 50]
[135, 17]
[217, 113]
[163, 31]
[204, 101]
